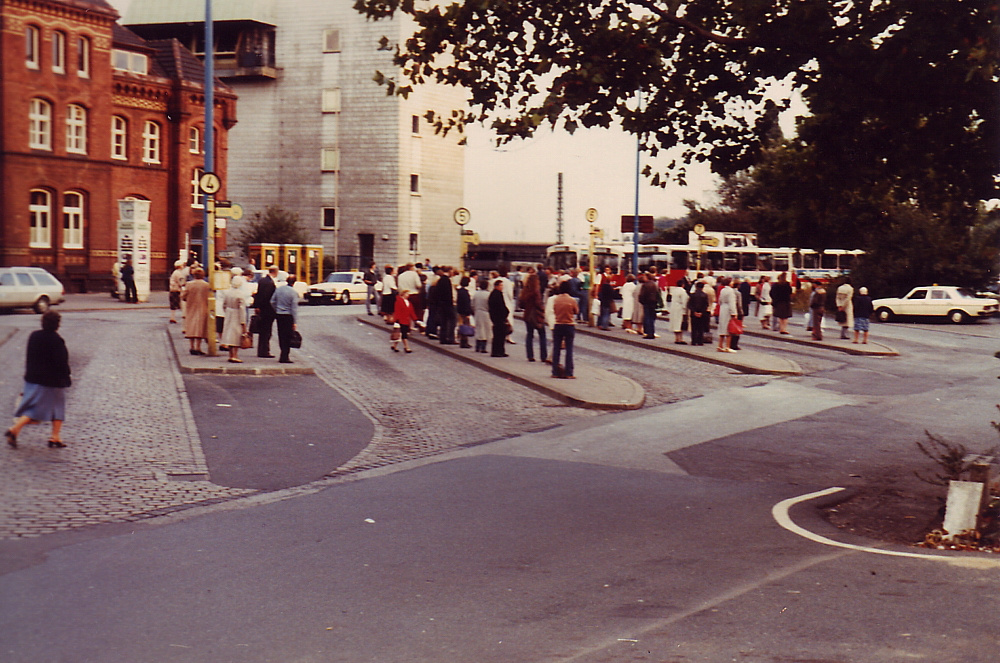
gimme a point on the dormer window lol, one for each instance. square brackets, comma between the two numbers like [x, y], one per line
[136, 63]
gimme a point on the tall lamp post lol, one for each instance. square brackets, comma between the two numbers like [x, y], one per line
[208, 219]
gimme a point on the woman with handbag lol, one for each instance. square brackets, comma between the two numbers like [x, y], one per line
[463, 306]
[404, 316]
[534, 317]
[727, 304]
[234, 328]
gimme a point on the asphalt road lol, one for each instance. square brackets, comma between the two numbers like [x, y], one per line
[643, 536]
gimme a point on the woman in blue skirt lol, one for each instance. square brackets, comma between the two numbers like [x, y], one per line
[45, 380]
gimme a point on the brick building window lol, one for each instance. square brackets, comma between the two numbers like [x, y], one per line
[119, 138]
[194, 140]
[151, 142]
[40, 127]
[76, 129]
[32, 44]
[83, 57]
[196, 195]
[59, 52]
[73, 220]
[40, 210]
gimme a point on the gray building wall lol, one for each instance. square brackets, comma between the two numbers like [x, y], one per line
[275, 151]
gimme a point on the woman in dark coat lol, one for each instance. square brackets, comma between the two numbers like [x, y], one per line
[781, 298]
[498, 318]
[46, 377]
[463, 306]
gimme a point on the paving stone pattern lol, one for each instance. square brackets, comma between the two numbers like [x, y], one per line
[128, 427]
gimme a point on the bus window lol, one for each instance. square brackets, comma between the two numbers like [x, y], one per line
[681, 260]
[764, 262]
[846, 262]
[563, 260]
[602, 260]
[749, 262]
[780, 262]
[810, 260]
[732, 261]
[829, 261]
[712, 260]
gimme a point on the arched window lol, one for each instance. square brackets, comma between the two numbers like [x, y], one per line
[194, 140]
[151, 143]
[76, 129]
[32, 44]
[83, 57]
[40, 128]
[40, 211]
[119, 138]
[59, 52]
[73, 220]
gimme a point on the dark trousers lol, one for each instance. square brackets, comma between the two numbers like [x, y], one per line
[530, 344]
[499, 347]
[698, 327]
[446, 325]
[562, 334]
[649, 320]
[285, 324]
[266, 322]
[131, 295]
[433, 319]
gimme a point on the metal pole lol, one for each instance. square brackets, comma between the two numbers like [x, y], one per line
[559, 212]
[635, 219]
[209, 201]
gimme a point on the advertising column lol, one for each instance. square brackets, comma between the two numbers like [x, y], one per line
[134, 241]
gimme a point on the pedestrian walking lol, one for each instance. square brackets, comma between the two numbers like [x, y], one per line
[46, 378]
[404, 316]
[178, 278]
[234, 313]
[498, 318]
[863, 310]
[534, 317]
[370, 278]
[285, 301]
[195, 297]
[765, 310]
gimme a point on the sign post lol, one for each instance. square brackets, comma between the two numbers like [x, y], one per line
[462, 216]
[209, 184]
[591, 218]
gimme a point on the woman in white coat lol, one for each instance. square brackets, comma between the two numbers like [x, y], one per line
[234, 306]
[727, 309]
[481, 314]
[678, 309]
[628, 302]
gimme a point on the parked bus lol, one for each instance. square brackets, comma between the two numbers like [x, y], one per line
[570, 256]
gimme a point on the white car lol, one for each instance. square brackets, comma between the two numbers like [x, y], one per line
[342, 287]
[957, 304]
[29, 287]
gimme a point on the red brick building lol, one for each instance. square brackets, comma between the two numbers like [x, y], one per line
[90, 113]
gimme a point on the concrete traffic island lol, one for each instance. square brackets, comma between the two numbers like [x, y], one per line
[220, 365]
[593, 387]
[831, 341]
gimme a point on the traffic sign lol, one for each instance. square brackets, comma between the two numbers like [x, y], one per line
[209, 183]
[699, 229]
[462, 216]
[645, 223]
[229, 210]
[591, 214]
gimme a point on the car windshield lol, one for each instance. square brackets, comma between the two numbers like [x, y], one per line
[339, 278]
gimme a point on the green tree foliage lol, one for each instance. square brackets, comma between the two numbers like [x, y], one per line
[902, 93]
[275, 226]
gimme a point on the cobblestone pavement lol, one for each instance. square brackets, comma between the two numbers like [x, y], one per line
[425, 404]
[128, 427]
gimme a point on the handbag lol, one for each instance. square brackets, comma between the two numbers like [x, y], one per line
[254, 326]
[466, 330]
[841, 317]
[396, 333]
[735, 327]
[295, 339]
[246, 341]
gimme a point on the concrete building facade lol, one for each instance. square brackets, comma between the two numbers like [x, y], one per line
[317, 136]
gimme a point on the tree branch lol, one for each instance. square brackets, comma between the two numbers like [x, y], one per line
[670, 16]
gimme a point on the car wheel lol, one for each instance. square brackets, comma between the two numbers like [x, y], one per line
[884, 315]
[42, 305]
[345, 297]
[957, 316]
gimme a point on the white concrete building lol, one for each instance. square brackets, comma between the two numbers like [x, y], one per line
[317, 136]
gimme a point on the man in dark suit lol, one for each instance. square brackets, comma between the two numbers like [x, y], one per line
[265, 311]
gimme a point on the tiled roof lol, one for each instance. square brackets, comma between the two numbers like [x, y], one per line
[179, 63]
[126, 37]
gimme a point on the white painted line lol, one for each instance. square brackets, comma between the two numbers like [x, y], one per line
[780, 513]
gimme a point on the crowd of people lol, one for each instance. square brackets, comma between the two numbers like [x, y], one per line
[454, 307]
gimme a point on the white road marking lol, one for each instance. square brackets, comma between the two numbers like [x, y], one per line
[780, 513]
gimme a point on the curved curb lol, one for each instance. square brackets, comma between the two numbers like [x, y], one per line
[780, 513]
[850, 349]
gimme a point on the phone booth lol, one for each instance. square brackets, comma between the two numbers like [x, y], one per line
[264, 254]
[313, 263]
[291, 259]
